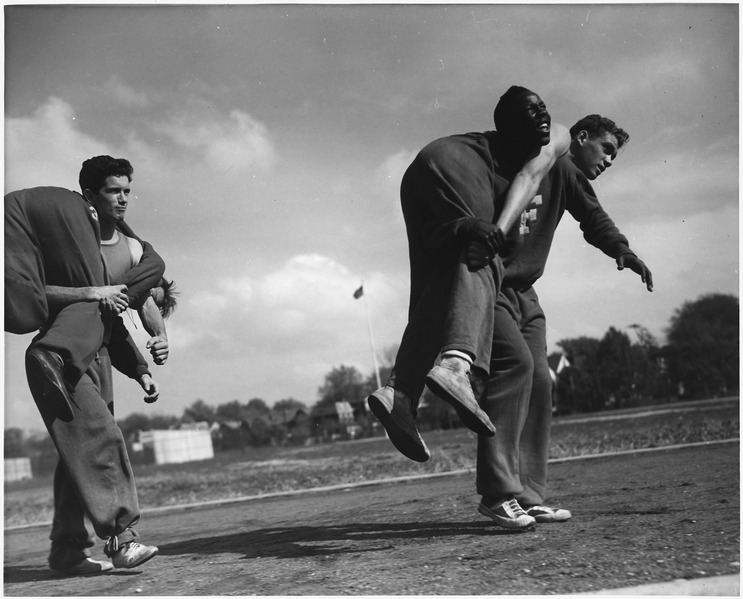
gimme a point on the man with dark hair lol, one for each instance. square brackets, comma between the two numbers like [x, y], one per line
[512, 468]
[69, 340]
[473, 320]
[105, 183]
[594, 144]
[448, 202]
[56, 279]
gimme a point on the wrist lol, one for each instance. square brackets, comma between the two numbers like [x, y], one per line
[500, 238]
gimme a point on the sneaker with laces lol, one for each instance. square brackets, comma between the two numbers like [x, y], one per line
[450, 381]
[395, 412]
[86, 567]
[507, 513]
[543, 513]
[133, 554]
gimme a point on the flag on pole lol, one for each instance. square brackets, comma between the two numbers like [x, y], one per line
[358, 293]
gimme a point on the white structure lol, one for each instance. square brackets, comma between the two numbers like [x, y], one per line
[178, 446]
[17, 469]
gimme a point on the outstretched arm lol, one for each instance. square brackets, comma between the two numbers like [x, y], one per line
[632, 262]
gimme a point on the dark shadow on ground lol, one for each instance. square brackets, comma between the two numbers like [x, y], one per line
[314, 541]
[42, 573]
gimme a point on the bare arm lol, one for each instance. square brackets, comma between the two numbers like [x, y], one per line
[522, 190]
[526, 183]
[111, 297]
[153, 322]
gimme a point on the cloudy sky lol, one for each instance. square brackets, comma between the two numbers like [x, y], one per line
[268, 144]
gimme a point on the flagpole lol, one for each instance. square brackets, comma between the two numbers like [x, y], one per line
[360, 292]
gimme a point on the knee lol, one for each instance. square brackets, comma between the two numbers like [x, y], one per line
[519, 363]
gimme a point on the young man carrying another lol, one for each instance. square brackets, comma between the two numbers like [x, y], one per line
[512, 365]
[53, 257]
[448, 181]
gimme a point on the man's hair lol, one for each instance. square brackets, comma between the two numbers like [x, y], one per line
[503, 113]
[170, 297]
[96, 170]
[597, 125]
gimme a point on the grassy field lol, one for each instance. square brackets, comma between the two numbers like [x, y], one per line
[267, 470]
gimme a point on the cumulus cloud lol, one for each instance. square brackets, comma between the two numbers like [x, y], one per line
[237, 142]
[45, 147]
[303, 305]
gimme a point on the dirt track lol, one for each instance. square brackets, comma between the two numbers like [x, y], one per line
[649, 517]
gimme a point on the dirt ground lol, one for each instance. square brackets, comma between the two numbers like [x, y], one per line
[648, 517]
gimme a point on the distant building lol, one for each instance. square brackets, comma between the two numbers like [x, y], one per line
[17, 469]
[334, 421]
[178, 446]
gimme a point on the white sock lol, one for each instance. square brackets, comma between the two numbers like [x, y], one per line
[455, 353]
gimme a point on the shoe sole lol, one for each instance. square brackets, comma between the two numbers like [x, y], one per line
[45, 390]
[402, 441]
[477, 421]
[504, 522]
[140, 562]
[548, 518]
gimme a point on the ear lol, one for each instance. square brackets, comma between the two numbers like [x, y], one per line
[88, 195]
[582, 136]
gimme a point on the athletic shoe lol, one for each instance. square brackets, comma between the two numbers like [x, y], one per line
[133, 554]
[507, 513]
[87, 567]
[395, 412]
[451, 382]
[543, 513]
[44, 371]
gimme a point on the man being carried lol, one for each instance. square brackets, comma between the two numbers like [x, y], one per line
[55, 259]
[514, 382]
[448, 202]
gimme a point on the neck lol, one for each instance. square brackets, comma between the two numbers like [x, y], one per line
[513, 152]
[107, 230]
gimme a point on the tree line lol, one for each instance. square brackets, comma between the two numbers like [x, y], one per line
[622, 369]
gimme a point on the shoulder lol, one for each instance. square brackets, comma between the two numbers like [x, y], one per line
[135, 248]
[565, 168]
[454, 149]
[559, 139]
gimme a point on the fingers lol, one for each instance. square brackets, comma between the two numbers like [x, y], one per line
[648, 280]
[153, 393]
[477, 256]
[159, 349]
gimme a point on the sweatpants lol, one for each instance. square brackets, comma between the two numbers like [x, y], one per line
[94, 476]
[52, 238]
[518, 400]
[446, 317]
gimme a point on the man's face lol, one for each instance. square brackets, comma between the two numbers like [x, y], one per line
[593, 154]
[531, 119]
[111, 200]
